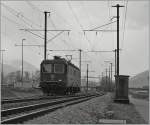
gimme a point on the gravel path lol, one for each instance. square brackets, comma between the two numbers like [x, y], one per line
[142, 107]
[84, 113]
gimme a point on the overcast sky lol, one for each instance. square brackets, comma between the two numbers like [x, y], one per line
[78, 16]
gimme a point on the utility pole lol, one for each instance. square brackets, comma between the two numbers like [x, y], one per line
[109, 78]
[111, 72]
[2, 75]
[117, 6]
[80, 62]
[22, 45]
[102, 76]
[80, 58]
[106, 77]
[115, 61]
[45, 38]
[87, 76]
[111, 75]
[22, 62]
[99, 80]
[2, 72]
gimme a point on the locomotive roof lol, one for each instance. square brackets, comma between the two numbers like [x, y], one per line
[59, 60]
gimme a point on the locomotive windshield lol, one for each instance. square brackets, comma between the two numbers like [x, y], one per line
[47, 68]
[59, 68]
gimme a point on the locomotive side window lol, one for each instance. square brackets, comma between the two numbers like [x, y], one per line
[47, 68]
[59, 68]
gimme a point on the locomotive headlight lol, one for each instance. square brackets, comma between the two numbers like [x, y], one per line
[59, 80]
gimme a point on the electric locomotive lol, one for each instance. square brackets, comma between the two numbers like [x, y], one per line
[59, 76]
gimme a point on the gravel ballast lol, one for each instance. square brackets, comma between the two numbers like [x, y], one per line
[90, 112]
[87, 112]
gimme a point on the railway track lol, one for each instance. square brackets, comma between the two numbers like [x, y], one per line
[15, 100]
[32, 98]
[21, 114]
[30, 101]
[14, 103]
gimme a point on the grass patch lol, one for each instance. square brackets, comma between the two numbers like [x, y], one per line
[126, 112]
[10, 92]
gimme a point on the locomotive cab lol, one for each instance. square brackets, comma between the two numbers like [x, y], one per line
[55, 76]
[52, 78]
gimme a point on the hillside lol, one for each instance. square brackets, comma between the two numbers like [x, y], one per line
[140, 80]
[15, 65]
[8, 69]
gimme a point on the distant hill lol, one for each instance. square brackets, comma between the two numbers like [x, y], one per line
[8, 69]
[15, 65]
[140, 80]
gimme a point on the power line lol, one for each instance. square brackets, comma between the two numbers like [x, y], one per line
[12, 21]
[75, 15]
[55, 36]
[124, 22]
[99, 51]
[102, 30]
[63, 50]
[15, 13]
[33, 33]
[18, 15]
[29, 30]
[53, 23]
[87, 15]
[58, 33]
[64, 41]
[101, 26]
[30, 45]
[77, 20]
[34, 7]
[108, 2]
[101, 36]
[43, 30]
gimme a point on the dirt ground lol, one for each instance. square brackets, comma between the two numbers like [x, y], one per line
[90, 112]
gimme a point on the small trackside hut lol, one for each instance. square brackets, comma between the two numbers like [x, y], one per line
[59, 76]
